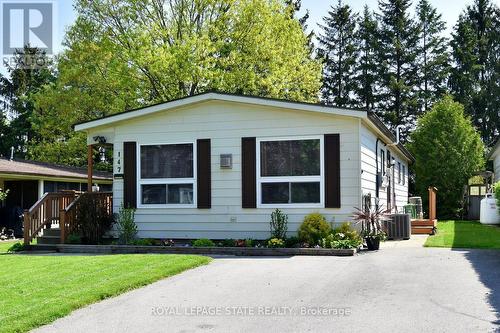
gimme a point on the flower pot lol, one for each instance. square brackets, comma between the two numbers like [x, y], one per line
[373, 243]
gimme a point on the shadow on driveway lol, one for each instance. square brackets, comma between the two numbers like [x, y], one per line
[486, 263]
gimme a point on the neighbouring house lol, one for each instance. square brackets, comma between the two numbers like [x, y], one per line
[216, 165]
[495, 157]
[28, 181]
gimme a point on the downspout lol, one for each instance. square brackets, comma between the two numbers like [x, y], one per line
[377, 179]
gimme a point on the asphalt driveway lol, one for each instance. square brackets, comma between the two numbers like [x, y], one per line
[402, 288]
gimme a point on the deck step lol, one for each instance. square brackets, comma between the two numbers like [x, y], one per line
[48, 240]
[423, 223]
[52, 232]
[423, 230]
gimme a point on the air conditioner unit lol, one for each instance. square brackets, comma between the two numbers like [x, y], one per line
[398, 227]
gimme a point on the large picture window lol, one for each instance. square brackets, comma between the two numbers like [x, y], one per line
[166, 175]
[290, 172]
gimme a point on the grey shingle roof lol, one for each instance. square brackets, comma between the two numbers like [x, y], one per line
[32, 168]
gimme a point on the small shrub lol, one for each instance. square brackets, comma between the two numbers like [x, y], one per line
[278, 224]
[276, 242]
[144, 242]
[228, 243]
[244, 243]
[349, 232]
[292, 241]
[203, 242]
[74, 239]
[496, 191]
[127, 229]
[93, 220]
[314, 229]
[16, 247]
[339, 241]
[3, 194]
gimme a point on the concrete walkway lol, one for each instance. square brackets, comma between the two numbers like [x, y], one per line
[402, 288]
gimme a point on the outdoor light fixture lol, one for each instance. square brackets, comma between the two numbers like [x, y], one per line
[102, 154]
[100, 139]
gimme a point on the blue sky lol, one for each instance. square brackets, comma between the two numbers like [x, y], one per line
[450, 10]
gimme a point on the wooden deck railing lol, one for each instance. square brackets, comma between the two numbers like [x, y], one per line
[69, 216]
[44, 212]
[432, 203]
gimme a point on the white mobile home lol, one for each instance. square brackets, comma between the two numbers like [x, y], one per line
[216, 165]
[495, 157]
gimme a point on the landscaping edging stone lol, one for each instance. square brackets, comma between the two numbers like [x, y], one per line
[234, 251]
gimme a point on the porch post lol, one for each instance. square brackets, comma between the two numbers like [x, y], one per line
[90, 162]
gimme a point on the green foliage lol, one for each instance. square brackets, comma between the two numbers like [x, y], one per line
[292, 242]
[342, 237]
[496, 191]
[227, 243]
[432, 56]
[313, 229]
[397, 52]
[276, 243]
[367, 65]
[278, 224]
[30, 71]
[119, 56]
[348, 232]
[465, 235]
[74, 239]
[203, 242]
[448, 150]
[127, 229]
[16, 247]
[335, 241]
[93, 220]
[3, 194]
[338, 48]
[87, 280]
[143, 242]
[475, 76]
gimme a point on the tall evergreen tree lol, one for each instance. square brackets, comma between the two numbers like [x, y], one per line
[338, 50]
[398, 70]
[367, 63]
[432, 57]
[475, 78]
[296, 5]
[28, 74]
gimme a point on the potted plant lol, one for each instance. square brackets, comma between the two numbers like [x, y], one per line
[371, 226]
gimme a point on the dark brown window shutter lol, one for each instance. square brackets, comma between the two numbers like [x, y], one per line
[248, 173]
[130, 174]
[332, 170]
[204, 177]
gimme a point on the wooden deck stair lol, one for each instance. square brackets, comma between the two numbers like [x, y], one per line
[423, 227]
[427, 226]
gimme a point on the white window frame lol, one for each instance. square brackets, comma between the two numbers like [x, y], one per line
[166, 181]
[291, 179]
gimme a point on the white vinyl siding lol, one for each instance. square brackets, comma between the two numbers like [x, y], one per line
[496, 167]
[368, 167]
[225, 123]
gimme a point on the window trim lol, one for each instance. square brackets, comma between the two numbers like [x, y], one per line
[291, 179]
[382, 161]
[404, 174]
[166, 181]
[399, 172]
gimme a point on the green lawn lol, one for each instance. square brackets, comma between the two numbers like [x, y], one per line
[465, 234]
[36, 290]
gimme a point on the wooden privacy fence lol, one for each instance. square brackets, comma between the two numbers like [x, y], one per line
[45, 212]
[87, 209]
